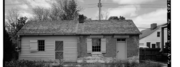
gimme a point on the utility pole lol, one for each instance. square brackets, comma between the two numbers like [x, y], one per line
[99, 5]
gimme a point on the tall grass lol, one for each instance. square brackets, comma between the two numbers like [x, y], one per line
[25, 63]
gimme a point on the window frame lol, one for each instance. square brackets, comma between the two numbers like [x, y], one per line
[121, 39]
[41, 45]
[93, 47]
[158, 44]
[148, 44]
[153, 45]
[59, 51]
[158, 34]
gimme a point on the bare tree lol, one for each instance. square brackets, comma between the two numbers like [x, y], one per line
[60, 10]
[70, 10]
[11, 19]
[13, 24]
[64, 10]
[104, 15]
[40, 13]
[56, 12]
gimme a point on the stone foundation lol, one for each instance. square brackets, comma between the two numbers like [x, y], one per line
[102, 59]
[95, 59]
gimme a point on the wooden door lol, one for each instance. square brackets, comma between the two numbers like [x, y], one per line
[59, 50]
[121, 49]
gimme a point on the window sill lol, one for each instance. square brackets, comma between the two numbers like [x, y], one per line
[96, 53]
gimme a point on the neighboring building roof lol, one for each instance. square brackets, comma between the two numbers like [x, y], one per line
[74, 27]
[149, 31]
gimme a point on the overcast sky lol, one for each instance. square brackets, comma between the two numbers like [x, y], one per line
[142, 12]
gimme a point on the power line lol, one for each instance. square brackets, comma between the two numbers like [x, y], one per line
[137, 4]
[126, 7]
[123, 4]
[145, 5]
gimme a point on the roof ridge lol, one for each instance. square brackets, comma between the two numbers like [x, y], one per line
[150, 32]
[71, 27]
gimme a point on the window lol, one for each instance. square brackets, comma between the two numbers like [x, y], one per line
[41, 45]
[153, 45]
[166, 45]
[148, 44]
[121, 39]
[157, 44]
[158, 34]
[96, 45]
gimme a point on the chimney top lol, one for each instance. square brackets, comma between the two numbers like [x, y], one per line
[81, 18]
[113, 18]
[153, 26]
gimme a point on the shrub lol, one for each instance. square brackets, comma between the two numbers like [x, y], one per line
[112, 64]
[26, 63]
[122, 64]
[149, 64]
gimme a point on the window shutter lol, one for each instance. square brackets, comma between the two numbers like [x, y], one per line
[33, 45]
[103, 45]
[89, 45]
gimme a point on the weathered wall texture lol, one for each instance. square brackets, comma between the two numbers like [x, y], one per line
[132, 48]
[110, 46]
[49, 53]
[82, 47]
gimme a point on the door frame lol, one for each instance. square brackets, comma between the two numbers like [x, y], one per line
[59, 51]
[125, 47]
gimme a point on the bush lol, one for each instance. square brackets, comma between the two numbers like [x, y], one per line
[26, 63]
[112, 64]
[120, 64]
[149, 64]
[124, 64]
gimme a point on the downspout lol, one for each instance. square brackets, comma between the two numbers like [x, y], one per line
[162, 38]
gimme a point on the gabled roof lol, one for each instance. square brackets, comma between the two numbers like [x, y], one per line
[75, 28]
[149, 31]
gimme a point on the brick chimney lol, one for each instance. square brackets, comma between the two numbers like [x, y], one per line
[81, 18]
[153, 26]
[113, 18]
